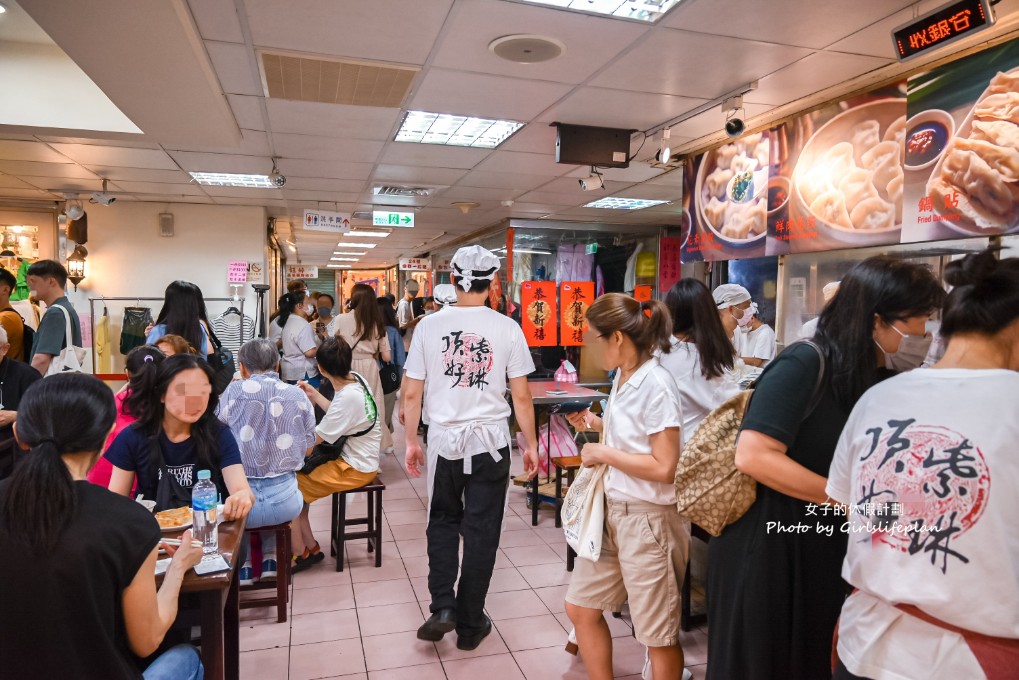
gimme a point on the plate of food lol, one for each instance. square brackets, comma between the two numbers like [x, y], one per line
[731, 201]
[174, 520]
[976, 179]
[849, 176]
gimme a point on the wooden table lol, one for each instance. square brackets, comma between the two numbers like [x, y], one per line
[541, 397]
[220, 614]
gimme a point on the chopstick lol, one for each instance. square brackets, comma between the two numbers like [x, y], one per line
[176, 541]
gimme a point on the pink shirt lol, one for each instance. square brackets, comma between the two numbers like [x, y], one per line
[103, 470]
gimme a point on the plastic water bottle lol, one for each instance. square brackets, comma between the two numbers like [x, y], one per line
[203, 507]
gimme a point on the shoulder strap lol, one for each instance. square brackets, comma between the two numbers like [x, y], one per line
[368, 393]
[815, 397]
[67, 320]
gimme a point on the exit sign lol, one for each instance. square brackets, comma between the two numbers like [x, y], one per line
[941, 26]
[386, 218]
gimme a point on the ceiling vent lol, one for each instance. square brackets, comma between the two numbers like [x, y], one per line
[332, 81]
[395, 190]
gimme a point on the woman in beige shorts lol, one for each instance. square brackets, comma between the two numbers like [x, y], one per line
[645, 542]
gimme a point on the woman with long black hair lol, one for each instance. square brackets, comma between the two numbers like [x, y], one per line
[774, 590]
[177, 434]
[79, 597]
[295, 336]
[397, 352]
[183, 314]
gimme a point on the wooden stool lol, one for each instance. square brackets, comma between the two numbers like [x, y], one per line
[338, 532]
[282, 585]
[569, 465]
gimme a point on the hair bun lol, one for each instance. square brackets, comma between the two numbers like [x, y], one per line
[971, 269]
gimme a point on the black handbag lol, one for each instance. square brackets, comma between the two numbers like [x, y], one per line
[325, 452]
[222, 363]
[391, 376]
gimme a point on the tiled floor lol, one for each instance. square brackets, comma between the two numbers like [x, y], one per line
[361, 623]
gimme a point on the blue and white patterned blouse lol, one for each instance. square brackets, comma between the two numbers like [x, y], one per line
[273, 422]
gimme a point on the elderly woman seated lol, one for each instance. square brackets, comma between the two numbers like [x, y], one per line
[274, 424]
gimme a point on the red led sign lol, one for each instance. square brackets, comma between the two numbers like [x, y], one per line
[942, 26]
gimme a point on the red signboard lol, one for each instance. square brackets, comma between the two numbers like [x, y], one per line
[576, 297]
[538, 313]
[669, 271]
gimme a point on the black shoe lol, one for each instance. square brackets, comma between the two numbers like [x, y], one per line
[437, 625]
[469, 642]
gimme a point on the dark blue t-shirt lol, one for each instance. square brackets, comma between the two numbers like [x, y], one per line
[130, 451]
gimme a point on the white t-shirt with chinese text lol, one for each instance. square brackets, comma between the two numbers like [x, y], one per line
[644, 405]
[466, 355]
[933, 449]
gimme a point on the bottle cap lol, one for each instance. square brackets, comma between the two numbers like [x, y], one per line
[204, 474]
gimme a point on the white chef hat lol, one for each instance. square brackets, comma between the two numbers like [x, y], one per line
[729, 294]
[445, 294]
[473, 263]
[828, 292]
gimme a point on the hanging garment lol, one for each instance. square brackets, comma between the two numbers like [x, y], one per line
[612, 260]
[104, 355]
[132, 331]
[630, 278]
[233, 330]
[21, 291]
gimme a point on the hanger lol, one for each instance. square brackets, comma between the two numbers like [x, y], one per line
[232, 310]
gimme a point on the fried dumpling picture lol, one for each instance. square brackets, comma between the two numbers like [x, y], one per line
[872, 214]
[1000, 132]
[978, 181]
[1004, 82]
[1000, 106]
[857, 186]
[896, 132]
[1004, 160]
[830, 206]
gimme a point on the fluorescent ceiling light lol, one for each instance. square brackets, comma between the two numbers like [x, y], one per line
[641, 10]
[339, 266]
[344, 259]
[227, 179]
[623, 203]
[443, 128]
[356, 245]
[342, 252]
[369, 234]
[2, 9]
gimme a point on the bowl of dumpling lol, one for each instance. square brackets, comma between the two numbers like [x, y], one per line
[849, 175]
[730, 201]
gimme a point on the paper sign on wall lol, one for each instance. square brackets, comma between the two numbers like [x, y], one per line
[300, 271]
[415, 264]
[237, 271]
[576, 297]
[538, 317]
[642, 293]
[323, 220]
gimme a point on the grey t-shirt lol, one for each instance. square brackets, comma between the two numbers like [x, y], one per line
[51, 336]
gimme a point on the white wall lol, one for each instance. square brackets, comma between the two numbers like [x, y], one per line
[128, 258]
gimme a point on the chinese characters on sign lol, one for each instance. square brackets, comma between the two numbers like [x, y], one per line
[927, 209]
[796, 228]
[414, 264]
[669, 270]
[467, 359]
[701, 242]
[941, 26]
[539, 320]
[386, 218]
[298, 271]
[237, 271]
[321, 220]
[575, 298]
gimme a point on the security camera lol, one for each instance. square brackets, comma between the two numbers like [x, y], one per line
[592, 182]
[734, 127]
[102, 198]
[278, 179]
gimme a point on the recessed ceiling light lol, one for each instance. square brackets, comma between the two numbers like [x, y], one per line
[369, 234]
[344, 259]
[623, 203]
[423, 127]
[640, 10]
[226, 179]
[356, 245]
[2, 9]
[344, 252]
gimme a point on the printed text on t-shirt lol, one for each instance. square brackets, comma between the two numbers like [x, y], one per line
[467, 359]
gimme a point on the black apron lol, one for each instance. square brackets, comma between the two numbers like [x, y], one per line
[170, 493]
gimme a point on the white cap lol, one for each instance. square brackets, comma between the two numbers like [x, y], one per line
[828, 292]
[729, 294]
[445, 294]
[473, 263]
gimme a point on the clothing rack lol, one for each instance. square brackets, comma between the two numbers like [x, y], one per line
[237, 301]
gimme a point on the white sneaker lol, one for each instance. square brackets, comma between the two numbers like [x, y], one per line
[646, 673]
[687, 674]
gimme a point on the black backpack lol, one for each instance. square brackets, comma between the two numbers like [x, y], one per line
[27, 335]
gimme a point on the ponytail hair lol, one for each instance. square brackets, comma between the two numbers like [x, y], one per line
[66, 413]
[985, 299]
[288, 303]
[617, 312]
[143, 373]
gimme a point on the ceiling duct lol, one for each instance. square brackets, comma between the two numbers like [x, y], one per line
[397, 190]
[333, 81]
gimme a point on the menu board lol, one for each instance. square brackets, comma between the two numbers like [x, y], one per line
[538, 313]
[962, 148]
[575, 298]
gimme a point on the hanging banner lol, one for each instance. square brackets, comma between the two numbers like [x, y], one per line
[642, 293]
[575, 298]
[669, 268]
[324, 220]
[538, 303]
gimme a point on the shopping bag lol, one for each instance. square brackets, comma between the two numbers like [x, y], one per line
[583, 512]
[70, 358]
[566, 372]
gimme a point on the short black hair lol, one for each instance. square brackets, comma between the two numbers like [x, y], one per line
[334, 355]
[332, 300]
[8, 279]
[49, 268]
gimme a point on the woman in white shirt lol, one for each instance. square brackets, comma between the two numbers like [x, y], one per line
[644, 544]
[926, 465]
[702, 357]
[296, 338]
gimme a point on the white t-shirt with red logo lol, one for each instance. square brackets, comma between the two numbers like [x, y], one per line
[929, 466]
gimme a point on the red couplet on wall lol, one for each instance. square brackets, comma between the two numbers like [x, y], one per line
[575, 298]
[538, 313]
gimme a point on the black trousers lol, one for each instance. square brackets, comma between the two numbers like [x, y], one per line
[472, 504]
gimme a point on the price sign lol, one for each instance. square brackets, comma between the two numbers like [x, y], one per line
[942, 26]
[414, 264]
[237, 271]
[300, 271]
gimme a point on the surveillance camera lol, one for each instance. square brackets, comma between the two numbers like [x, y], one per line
[102, 198]
[591, 183]
[278, 179]
[734, 127]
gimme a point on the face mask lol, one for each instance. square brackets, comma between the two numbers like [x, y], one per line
[746, 317]
[911, 353]
[325, 311]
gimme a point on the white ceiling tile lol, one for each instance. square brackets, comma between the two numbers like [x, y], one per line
[262, 202]
[672, 178]
[320, 196]
[89, 154]
[532, 209]
[695, 65]
[875, 38]
[433, 155]
[817, 72]
[638, 171]
[33, 169]
[150, 188]
[503, 180]
[132, 141]
[401, 31]
[796, 22]
[68, 184]
[654, 192]
[591, 42]
[247, 111]
[313, 147]
[378, 202]
[252, 143]
[332, 120]
[337, 169]
[12, 150]
[532, 138]
[713, 120]
[461, 193]
[8, 182]
[324, 184]
[220, 162]
[217, 20]
[403, 173]
[141, 174]
[243, 192]
[233, 66]
[571, 187]
[472, 94]
[619, 108]
[27, 193]
[576, 197]
[524, 164]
